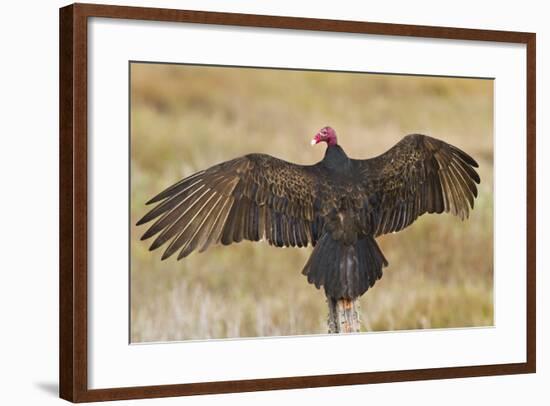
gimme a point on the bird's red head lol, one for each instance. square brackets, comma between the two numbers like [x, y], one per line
[326, 134]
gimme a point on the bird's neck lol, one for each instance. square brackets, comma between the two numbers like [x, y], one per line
[336, 159]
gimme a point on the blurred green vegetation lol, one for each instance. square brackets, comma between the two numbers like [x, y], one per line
[187, 118]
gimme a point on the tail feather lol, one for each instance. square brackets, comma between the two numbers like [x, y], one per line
[345, 271]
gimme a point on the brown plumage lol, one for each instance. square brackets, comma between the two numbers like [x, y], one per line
[337, 205]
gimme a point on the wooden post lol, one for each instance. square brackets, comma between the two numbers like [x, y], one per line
[343, 316]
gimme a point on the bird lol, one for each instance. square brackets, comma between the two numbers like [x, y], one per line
[339, 205]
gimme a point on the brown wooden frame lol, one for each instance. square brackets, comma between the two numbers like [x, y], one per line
[73, 362]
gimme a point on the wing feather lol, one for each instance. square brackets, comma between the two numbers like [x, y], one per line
[249, 198]
[418, 175]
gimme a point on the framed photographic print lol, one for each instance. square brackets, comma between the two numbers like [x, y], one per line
[255, 202]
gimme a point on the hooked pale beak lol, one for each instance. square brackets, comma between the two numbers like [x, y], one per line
[315, 139]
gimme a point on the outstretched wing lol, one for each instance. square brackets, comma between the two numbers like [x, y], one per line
[253, 197]
[418, 175]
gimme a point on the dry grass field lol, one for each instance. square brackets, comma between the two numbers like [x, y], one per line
[186, 118]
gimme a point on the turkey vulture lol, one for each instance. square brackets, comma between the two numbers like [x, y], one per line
[338, 205]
